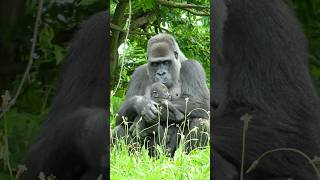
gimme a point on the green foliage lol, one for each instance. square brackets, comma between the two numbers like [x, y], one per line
[191, 32]
[21, 128]
[115, 103]
[308, 12]
[139, 165]
[50, 52]
[144, 5]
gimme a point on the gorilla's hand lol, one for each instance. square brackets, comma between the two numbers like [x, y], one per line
[147, 109]
[138, 128]
[174, 116]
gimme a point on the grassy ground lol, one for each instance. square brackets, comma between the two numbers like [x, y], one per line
[139, 165]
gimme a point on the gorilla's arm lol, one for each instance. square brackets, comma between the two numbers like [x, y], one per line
[194, 88]
[135, 102]
[128, 110]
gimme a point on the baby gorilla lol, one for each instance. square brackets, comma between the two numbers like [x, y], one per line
[156, 132]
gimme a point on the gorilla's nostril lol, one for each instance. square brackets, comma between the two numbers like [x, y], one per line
[161, 73]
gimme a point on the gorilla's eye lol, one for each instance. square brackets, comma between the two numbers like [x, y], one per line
[166, 62]
[154, 94]
[154, 64]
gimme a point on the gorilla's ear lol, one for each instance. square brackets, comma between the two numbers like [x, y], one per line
[176, 55]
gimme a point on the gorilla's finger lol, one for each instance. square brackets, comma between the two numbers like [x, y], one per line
[155, 110]
[151, 116]
[154, 103]
[132, 127]
[164, 102]
[147, 118]
[151, 109]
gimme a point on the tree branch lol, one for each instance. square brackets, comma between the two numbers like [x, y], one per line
[143, 19]
[187, 7]
[197, 13]
[118, 28]
[181, 5]
[118, 18]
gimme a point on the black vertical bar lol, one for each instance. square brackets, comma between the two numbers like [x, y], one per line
[108, 93]
[212, 60]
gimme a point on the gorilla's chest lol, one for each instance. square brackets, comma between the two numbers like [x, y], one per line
[175, 91]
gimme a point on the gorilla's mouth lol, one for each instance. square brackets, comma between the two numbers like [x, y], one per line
[163, 80]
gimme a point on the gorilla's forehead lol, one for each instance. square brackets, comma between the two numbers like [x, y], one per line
[160, 51]
[162, 38]
[159, 59]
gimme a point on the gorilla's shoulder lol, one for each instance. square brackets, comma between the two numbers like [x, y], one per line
[190, 62]
[140, 71]
[192, 70]
[139, 81]
[191, 65]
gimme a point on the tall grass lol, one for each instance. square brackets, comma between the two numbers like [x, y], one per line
[139, 165]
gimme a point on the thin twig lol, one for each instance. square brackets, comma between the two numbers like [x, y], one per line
[246, 119]
[256, 162]
[6, 142]
[30, 62]
[124, 54]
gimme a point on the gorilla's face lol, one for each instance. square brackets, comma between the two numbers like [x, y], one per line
[161, 71]
[159, 92]
[163, 65]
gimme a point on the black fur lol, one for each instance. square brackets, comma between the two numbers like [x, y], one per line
[261, 68]
[72, 141]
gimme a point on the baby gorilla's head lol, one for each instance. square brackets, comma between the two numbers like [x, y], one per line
[159, 92]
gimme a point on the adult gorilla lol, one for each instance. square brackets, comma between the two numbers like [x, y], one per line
[261, 68]
[184, 79]
[72, 142]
